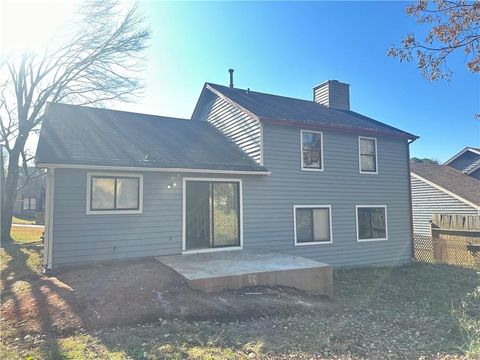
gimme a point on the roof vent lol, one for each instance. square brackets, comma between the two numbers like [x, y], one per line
[231, 77]
[333, 94]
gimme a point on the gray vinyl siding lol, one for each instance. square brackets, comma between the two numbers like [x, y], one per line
[427, 200]
[81, 238]
[475, 174]
[238, 126]
[465, 162]
[269, 201]
[267, 206]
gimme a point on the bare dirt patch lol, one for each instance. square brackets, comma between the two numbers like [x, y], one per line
[113, 294]
[142, 309]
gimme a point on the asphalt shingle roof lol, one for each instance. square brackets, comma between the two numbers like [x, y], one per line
[281, 108]
[91, 136]
[450, 179]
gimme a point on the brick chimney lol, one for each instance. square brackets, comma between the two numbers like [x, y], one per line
[333, 93]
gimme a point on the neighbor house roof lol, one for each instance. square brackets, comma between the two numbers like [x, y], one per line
[472, 162]
[287, 110]
[450, 179]
[78, 135]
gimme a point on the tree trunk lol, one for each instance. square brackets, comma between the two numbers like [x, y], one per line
[11, 183]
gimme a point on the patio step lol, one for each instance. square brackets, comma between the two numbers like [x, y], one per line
[236, 269]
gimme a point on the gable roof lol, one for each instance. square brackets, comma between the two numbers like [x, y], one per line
[473, 164]
[290, 111]
[79, 135]
[452, 180]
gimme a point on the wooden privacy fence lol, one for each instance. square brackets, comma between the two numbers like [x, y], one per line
[455, 239]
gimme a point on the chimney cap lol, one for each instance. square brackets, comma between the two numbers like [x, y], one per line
[329, 81]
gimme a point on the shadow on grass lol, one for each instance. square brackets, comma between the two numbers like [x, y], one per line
[404, 309]
[31, 302]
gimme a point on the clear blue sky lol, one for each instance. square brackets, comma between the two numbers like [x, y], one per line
[287, 48]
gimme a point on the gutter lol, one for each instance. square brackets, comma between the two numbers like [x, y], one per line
[305, 125]
[151, 169]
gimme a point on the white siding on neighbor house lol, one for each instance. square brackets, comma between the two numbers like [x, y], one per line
[267, 206]
[427, 200]
[238, 126]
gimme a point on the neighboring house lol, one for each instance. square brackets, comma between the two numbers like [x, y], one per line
[441, 189]
[248, 171]
[31, 193]
[467, 161]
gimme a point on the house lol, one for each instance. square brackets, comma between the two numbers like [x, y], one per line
[441, 189]
[467, 161]
[31, 193]
[249, 170]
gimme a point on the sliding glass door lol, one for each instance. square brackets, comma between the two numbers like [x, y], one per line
[212, 214]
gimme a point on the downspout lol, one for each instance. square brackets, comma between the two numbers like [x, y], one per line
[410, 202]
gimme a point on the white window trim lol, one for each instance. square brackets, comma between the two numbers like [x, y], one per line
[386, 222]
[360, 155]
[114, 212]
[321, 150]
[184, 215]
[295, 207]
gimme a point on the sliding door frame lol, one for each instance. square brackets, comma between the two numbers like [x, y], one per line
[184, 214]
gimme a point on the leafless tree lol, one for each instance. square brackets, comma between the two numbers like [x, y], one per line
[99, 61]
[455, 27]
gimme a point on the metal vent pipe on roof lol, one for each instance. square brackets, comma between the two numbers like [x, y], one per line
[231, 77]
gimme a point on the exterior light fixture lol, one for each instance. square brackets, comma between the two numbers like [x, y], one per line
[172, 184]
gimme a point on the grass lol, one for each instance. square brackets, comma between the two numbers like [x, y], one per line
[20, 260]
[26, 234]
[412, 311]
[22, 221]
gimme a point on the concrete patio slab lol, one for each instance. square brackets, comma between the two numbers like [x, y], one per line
[236, 269]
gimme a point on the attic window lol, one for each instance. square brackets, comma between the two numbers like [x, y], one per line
[312, 150]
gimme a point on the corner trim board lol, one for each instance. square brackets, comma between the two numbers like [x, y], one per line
[49, 218]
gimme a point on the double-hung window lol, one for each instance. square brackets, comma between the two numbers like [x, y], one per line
[312, 150]
[29, 203]
[371, 222]
[114, 193]
[313, 224]
[367, 155]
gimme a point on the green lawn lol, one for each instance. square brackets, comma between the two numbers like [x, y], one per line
[23, 256]
[26, 234]
[378, 313]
